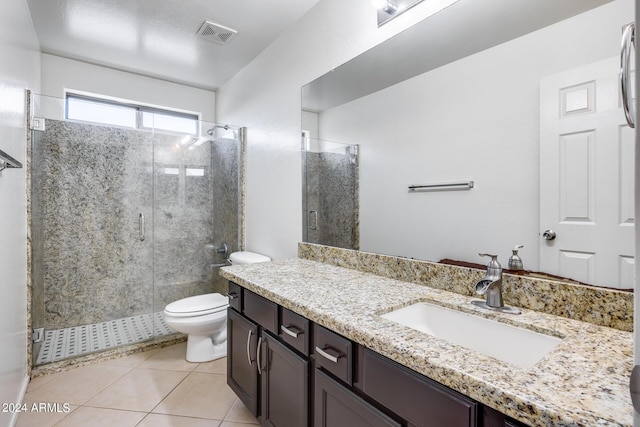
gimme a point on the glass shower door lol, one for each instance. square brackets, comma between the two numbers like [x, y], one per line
[125, 221]
[182, 217]
[330, 193]
[93, 255]
[196, 210]
[92, 269]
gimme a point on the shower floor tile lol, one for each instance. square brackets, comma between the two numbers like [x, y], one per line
[61, 344]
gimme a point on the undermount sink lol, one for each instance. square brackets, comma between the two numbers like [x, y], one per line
[511, 344]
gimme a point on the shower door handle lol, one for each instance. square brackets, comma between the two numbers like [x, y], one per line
[141, 227]
[313, 220]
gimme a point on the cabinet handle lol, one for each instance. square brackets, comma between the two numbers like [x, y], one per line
[259, 356]
[249, 347]
[289, 332]
[328, 356]
[232, 296]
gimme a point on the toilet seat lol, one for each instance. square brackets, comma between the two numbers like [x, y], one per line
[199, 305]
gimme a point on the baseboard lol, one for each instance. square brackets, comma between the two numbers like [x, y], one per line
[23, 390]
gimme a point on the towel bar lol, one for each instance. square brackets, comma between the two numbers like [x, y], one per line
[6, 161]
[467, 185]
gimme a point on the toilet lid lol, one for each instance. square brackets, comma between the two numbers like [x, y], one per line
[198, 304]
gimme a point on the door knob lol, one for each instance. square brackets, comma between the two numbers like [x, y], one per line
[549, 234]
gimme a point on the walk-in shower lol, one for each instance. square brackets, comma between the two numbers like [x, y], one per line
[123, 222]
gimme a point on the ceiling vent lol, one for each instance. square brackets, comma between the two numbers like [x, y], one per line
[216, 33]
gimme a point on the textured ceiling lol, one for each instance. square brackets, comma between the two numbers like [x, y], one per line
[158, 37]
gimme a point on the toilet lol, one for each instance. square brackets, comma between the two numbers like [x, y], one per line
[204, 317]
[244, 257]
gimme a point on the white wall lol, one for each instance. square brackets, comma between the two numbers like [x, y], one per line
[60, 74]
[477, 118]
[19, 70]
[265, 97]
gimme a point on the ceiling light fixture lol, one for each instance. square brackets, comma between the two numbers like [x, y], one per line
[386, 6]
[389, 9]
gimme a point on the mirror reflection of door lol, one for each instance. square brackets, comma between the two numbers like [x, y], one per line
[586, 177]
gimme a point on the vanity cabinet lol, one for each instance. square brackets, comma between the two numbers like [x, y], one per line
[417, 399]
[285, 385]
[242, 372]
[333, 353]
[335, 405]
[271, 378]
[349, 376]
[290, 372]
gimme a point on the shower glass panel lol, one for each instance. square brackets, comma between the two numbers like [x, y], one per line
[124, 221]
[330, 193]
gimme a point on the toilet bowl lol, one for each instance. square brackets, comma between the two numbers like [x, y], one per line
[204, 319]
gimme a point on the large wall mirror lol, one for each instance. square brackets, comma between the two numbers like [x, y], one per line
[519, 96]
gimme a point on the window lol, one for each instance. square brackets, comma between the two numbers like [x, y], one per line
[107, 112]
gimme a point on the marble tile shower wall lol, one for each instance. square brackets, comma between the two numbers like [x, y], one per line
[90, 183]
[331, 191]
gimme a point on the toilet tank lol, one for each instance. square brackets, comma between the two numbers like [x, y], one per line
[244, 257]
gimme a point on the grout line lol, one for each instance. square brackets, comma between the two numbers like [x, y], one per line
[173, 389]
[146, 414]
[230, 408]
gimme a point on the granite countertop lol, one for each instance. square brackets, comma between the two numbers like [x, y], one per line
[583, 382]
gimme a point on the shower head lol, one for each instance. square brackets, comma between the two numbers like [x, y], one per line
[211, 130]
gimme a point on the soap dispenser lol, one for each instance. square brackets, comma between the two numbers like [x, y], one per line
[515, 262]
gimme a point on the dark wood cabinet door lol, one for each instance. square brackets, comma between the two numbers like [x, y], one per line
[285, 385]
[242, 372]
[337, 406]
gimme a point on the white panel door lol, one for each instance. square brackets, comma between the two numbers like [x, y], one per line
[586, 177]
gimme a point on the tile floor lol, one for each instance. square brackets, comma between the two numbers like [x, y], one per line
[155, 388]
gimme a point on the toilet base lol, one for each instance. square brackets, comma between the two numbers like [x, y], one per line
[200, 348]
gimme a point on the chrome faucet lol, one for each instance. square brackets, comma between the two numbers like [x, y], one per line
[491, 286]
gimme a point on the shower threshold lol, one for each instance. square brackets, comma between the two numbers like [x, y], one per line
[64, 343]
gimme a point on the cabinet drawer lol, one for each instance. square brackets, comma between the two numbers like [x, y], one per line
[334, 353]
[336, 405]
[294, 330]
[493, 418]
[235, 297]
[419, 400]
[260, 310]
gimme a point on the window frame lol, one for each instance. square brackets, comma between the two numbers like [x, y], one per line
[139, 110]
